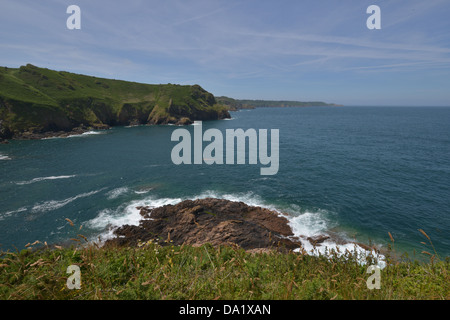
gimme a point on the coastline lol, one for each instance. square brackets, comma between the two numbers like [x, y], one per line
[39, 135]
[222, 222]
[30, 135]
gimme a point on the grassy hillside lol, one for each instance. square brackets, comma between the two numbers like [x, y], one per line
[38, 100]
[154, 271]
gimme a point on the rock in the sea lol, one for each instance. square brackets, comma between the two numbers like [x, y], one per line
[317, 239]
[210, 220]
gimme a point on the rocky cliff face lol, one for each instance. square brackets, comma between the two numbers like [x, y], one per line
[210, 220]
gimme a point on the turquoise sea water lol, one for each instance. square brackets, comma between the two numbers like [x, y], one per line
[359, 171]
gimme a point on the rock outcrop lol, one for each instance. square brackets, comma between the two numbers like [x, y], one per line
[220, 222]
[210, 220]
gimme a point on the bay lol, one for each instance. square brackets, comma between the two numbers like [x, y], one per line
[360, 172]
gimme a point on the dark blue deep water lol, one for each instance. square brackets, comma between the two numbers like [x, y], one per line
[358, 171]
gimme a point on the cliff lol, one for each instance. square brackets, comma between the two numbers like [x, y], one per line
[35, 102]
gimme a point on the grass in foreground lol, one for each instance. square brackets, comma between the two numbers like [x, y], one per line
[153, 271]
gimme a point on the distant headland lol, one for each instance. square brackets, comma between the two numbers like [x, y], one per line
[237, 104]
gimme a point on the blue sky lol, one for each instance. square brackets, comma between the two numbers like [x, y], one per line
[253, 49]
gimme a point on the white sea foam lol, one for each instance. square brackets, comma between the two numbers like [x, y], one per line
[328, 247]
[248, 198]
[142, 191]
[44, 178]
[313, 224]
[87, 133]
[84, 134]
[10, 213]
[56, 204]
[115, 193]
[3, 157]
[127, 214]
[308, 224]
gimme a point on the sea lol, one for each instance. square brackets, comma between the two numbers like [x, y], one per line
[374, 175]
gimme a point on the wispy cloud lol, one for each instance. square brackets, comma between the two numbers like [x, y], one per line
[200, 17]
[235, 44]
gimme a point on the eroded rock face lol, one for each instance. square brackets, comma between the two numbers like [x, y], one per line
[210, 220]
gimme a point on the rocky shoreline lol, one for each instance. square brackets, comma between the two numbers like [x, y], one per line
[217, 222]
[37, 134]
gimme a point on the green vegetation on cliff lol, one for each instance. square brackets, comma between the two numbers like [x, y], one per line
[38, 100]
[154, 271]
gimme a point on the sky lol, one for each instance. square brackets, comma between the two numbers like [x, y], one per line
[304, 50]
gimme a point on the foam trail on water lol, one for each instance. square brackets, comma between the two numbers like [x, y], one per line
[44, 178]
[142, 191]
[56, 204]
[10, 213]
[115, 193]
[3, 157]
